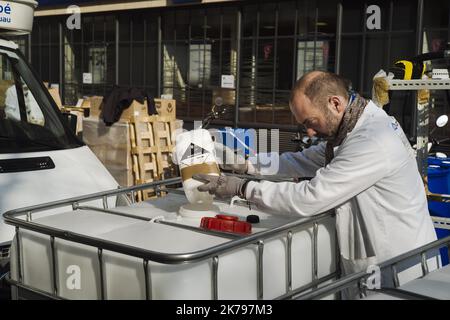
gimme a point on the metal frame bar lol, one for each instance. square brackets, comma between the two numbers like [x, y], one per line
[226, 235]
[356, 278]
[395, 277]
[117, 49]
[148, 284]
[315, 257]
[419, 26]
[50, 56]
[441, 223]
[61, 61]
[160, 59]
[215, 278]
[37, 292]
[295, 46]
[316, 29]
[403, 294]
[275, 59]
[220, 42]
[363, 50]
[104, 84]
[289, 261]
[238, 65]
[448, 27]
[337, 63]
[19, 260]
[205, 22]
[146, 42]
[188, 68]
[39, 30]
[292, 295]
[295, 53]
[174, 63]
[430, 84]
[307, 38]
[130, 53]
[389, 39]
[260, 271]
[29, 48]
[419, 115]
[338, 263]
[101, 273]
[14, 217]
[254, 64]
[54, 268]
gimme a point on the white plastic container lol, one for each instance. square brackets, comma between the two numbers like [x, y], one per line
[16, 16]
[195, 154]
[124, 276]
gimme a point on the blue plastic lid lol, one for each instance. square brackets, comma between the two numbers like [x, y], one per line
[442, 162]
[436, 171]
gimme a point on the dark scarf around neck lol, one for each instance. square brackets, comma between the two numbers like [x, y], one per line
[351, 116]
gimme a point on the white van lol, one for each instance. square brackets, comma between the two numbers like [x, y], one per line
[41, 159]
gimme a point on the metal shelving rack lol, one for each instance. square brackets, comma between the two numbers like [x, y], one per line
[422, 120]
[422, 123]
[429, 84]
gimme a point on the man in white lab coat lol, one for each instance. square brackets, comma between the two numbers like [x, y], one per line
[366, 170]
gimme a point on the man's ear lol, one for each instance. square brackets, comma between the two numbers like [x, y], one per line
[337, 103]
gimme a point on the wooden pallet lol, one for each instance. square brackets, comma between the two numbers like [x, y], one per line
[164, 128]
[151, 150]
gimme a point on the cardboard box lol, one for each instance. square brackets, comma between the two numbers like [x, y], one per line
[136, 109]
[79, 121]
[54, 92]
[4, 86]
[95, 104]
[166, 107]
[112, 147]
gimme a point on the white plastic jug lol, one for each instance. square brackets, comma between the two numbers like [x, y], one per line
[195, 154]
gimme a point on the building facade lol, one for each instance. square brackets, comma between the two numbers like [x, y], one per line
[192, 49]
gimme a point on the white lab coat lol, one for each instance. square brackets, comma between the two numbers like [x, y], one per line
[374, 184]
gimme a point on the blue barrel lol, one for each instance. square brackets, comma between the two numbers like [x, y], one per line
[439, 175]
[439, 182]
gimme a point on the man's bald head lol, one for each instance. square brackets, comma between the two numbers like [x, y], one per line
[319, 85]
[318, 101]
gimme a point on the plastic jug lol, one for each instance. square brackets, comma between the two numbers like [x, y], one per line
[195, 154]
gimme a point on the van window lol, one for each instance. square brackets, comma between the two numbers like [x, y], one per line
[28, 121]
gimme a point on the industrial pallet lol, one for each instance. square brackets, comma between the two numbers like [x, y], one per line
[151, 150]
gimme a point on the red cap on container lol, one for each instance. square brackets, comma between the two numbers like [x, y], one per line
[226, 223]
